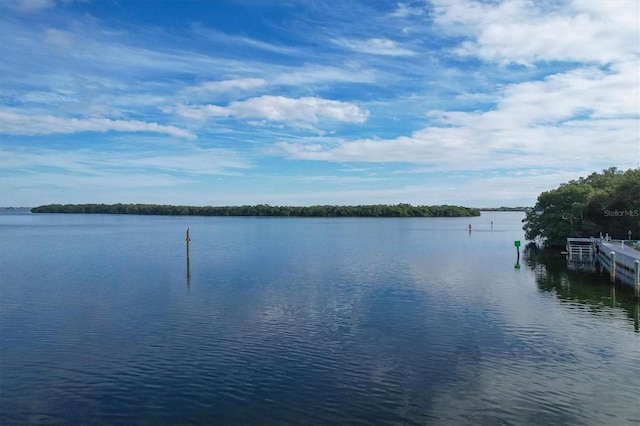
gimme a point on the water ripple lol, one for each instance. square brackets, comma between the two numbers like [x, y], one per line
[305, 325]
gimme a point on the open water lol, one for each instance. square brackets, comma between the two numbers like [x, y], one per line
[306, 321]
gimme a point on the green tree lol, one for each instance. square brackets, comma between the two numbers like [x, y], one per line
[602, 202]
[558, 214]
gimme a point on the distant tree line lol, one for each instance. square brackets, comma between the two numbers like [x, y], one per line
[504, 209]
[607, 202]
[377, 210]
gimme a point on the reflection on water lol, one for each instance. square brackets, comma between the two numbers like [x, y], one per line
[305, 321]
[582, 283]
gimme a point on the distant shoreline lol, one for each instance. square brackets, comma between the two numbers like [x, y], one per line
[504, 209]
[376, 210]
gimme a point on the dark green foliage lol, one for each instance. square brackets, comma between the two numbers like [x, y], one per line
[378, 210]
[607, 202]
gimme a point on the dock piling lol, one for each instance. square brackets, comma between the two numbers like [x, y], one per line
[612, 272]
[188, 240]
[636, 277]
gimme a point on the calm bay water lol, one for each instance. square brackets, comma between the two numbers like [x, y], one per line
[305, 321]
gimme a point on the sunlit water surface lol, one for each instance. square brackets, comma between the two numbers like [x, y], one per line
[305, 321]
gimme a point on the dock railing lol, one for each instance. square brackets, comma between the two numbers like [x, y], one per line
[580, 249]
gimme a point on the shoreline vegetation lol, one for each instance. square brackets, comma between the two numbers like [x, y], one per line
[504, 209]
[601, 203]
[377, 210]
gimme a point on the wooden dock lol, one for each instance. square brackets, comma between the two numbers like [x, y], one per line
[621, 261]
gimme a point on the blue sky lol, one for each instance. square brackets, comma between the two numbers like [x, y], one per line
[302, 102]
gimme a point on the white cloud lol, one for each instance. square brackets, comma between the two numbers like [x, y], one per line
[524, 32]
[376, 46]
[483, 146]
[21, 124]
[403, 11]
[587, 91]
[228, 85]
[301, 111]
[579, 94]
[574, 104]
[584, 115]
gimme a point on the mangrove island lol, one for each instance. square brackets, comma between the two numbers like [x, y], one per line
[377, 210]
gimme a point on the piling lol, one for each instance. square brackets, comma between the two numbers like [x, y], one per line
[612, 272]
[613, 296]
[636, 277]
[188, 240]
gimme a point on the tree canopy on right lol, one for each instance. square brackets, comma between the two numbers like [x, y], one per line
[607, 202]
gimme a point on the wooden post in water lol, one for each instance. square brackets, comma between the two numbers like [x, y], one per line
[636, 277]
[188, 240]
[612, 272]
[517, 244]
[613, 296]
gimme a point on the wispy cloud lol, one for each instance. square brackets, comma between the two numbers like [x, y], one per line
[187, 161]
[281, 102]
[591, 111]
[228, 85]
[404, 10]
[222, 38]
[30, 6]
[320, 74]
[376, 46]
[22, 124]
